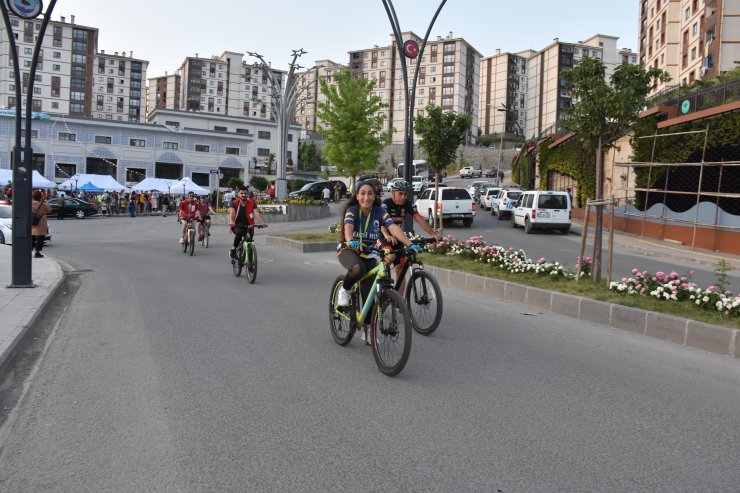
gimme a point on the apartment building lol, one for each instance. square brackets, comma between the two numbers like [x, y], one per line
[223, 85]
[72, 78]
[449, 77]
[311, 96]
[503, 86]
[689, 39]
[548, 99]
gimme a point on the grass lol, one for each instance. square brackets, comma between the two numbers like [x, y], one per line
[584, 287]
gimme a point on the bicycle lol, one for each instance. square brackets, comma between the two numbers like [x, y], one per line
[390, 329]
[189, 240]
[246, 255]
[204, 231]
[423, 295]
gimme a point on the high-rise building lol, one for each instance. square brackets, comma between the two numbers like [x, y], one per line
[72, 78]
[308, 104]
[224, 85]
[503, 86]
[689, 39]
[449, 77]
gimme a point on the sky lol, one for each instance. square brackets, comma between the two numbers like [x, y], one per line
[165, 32]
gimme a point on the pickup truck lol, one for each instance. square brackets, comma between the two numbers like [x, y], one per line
[419, 184]
[456, 203]
[470, 172]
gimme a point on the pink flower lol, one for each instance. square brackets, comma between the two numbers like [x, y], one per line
[655, 278]
[541, 260]
[638, 286]
[684, 279]
[634, 271]
[674, 274]
[711, 289]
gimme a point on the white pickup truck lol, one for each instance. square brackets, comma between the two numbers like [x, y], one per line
[455, 203]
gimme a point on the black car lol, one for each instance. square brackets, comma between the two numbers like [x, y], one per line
[73, 207]
[313, 190]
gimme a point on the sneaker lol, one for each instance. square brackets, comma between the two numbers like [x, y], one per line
[365, 334]
[342, 297]
[232, 254]
[38, 255]
[182, 240]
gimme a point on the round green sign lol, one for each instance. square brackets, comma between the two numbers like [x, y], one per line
[685, 106]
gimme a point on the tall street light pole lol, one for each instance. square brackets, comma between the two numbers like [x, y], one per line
[410, 50]
[284, 101]
[503, 110]
[23, 156]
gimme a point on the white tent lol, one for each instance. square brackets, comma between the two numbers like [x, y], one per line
[105, 182]
[149, 184]
[37, 179]
[186, 186]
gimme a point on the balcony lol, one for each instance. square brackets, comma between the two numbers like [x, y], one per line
[699, 99]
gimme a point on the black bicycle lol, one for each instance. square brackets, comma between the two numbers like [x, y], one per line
[246, 255]
[423, 295]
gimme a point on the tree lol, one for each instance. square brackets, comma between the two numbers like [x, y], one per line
[235, 182]
[603, 112]
[351, 125]
[442, 132]
[259, 182]
[270, 161]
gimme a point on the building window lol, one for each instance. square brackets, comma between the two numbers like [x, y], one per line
[137, 142]
[170, 145]
[220, 129]
[202, 148]
[67, 136]
[261, 134]
[232, 150]
[102, 139]
[62, 170]
[262, 152]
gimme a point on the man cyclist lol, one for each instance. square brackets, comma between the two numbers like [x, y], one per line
[398, 206]
[187, 212]
[242, 212]
[202, 214]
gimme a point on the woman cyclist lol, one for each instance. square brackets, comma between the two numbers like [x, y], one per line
[363, 217]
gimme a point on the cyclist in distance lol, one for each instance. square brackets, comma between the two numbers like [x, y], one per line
[399, 205]
[242, 212]
[187, 211]
[204, 208]
[363, 217]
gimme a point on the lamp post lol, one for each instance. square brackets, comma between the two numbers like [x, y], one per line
[283, 105]
[503, 110]
[22, 156]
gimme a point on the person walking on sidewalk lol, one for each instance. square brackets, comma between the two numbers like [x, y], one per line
[38, 231]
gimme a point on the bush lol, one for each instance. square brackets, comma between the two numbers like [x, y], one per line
[259, 182]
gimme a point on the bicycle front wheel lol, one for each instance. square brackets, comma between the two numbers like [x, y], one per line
[236, 264]
[185, 244]
[391, 333]
[191, 241]
[424, 299]
[206, 235]
[340, 322]
[251, 262]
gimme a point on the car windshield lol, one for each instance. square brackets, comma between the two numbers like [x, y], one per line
[6, 211]
[455, 194]
[552, 202]
[513, 195]
[416, 178]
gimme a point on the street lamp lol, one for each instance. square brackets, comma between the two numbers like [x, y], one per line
[22, 167]
[283, 105]
[503, 110]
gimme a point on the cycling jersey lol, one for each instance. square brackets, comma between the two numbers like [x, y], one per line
[187, 209]
[398, 212]
[367, 228]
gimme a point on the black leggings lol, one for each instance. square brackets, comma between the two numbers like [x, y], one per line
[356, 268]
[37, 242]
[239, 232]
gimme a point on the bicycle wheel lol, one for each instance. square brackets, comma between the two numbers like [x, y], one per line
[251, 262]
[191, 241]
[236, 264]
[206, 235]
[185, 244]
[424, 299]
[391, 333]
[342, 328]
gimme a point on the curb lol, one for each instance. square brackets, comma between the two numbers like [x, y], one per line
[689, 333]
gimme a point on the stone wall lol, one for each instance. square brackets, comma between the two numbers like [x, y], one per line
[289, 212]
[482, 157]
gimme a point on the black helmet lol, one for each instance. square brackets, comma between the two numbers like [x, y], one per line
[400, 186]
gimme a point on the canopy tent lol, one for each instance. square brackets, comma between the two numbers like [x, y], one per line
[89, 187]
[103, 182]
[185, 186]
[158, 184]
[37, 179]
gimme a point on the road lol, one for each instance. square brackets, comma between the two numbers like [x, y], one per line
[552, 246]
[164, 372]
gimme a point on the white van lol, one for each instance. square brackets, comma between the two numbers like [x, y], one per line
[542, 210]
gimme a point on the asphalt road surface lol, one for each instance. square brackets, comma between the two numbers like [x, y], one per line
[167, 373]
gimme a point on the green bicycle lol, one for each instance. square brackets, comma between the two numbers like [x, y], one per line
[246, 255]
[390, 326]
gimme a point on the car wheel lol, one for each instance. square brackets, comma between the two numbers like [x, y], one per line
[564, 231]
[80, 214]
[513, 222]
[527, 226]
[2, 238]
[493, 211]
[467, 222]
[500, 215]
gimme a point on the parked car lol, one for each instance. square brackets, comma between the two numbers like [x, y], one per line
[73, 207]
[6, 234]
[312, 190]
[470, 172]
[491, 173]
[504, 203]
[419, 184]
[481, 191]
[455, 203]
[485, 198]
[476, 185]
[6, 226]
[540, 209]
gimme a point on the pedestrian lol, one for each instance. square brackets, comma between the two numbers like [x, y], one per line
[155, 201]
[165, 204]
[39, 226]
[337, 192]
[501, 177]
[62, 209]
[326, 194]
[132, 207]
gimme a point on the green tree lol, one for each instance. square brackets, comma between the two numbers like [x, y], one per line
[235, 182]
[259, 182]
[270, 162]
[442, 132]
[351, 125]
[604, 111]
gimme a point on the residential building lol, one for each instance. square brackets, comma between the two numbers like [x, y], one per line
[449, 77]
[72, 78]
[222, 85]
[503, 85]
[308, 104]
[689, 39]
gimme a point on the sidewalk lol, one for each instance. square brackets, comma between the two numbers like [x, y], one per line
[20, 307]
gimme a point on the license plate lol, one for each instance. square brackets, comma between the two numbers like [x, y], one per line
[456, 216]
[545, 214]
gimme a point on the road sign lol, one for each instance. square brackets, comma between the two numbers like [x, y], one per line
[214, 171]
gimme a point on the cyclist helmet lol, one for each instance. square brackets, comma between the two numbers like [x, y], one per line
[400, 186]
